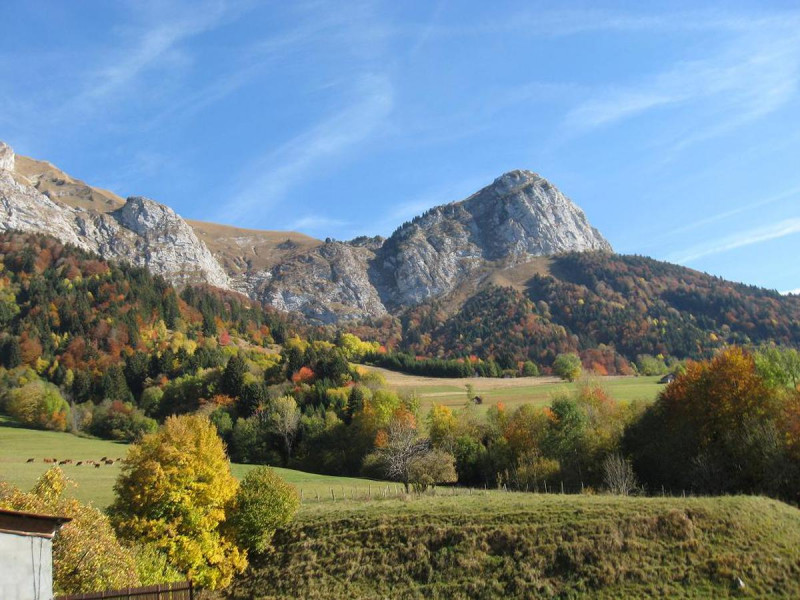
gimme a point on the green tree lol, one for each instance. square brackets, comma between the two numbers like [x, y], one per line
[172, 493]
[529, 369]
[10, 353]
[233, 376]
[779, 367]
[263, 503]
[432, 468]
[567, 366]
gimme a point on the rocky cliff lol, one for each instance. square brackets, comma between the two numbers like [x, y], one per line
[519, 217]
[141, 231]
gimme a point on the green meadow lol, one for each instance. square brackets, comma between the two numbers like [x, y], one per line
[513, 392]
[96, 485]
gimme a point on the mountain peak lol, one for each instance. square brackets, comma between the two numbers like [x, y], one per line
[516, 176]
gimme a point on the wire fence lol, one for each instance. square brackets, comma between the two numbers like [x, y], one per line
[382, 490]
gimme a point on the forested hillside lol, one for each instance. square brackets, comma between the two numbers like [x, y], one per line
[108, 350]
[614, 310]
[92, 345]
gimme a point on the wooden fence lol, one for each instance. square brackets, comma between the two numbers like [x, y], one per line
[182, 590]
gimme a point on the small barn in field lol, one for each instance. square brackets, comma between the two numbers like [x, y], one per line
[26, 555]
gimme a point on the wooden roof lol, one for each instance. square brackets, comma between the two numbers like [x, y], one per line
[23, 523]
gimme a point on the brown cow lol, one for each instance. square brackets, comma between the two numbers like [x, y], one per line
[31, 460]
[96, 465]
[109, 462]
[49, 460]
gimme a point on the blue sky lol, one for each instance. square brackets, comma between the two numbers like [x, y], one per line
[675, 127]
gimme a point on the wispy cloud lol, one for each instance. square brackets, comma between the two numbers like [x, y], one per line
[153, 44]
[754, 71]
[267, 179]
[739, 240]
[752, 80]
[697, 224]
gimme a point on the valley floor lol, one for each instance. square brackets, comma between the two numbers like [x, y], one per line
[512, 391]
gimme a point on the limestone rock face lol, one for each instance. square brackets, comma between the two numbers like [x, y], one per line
[142, 232]
[166, 244]
[519, 217]
[329, 283]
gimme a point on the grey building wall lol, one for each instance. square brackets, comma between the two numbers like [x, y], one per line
[26, 567]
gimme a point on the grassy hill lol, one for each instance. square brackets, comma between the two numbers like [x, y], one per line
[96, 484]
[513, 545]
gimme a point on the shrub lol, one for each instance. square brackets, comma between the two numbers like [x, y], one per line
[39, 404]
[567, 366]
[432, 468]
[263, 503]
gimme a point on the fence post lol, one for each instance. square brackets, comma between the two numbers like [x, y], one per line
[562, 486]
[191, 590]
[333, 495]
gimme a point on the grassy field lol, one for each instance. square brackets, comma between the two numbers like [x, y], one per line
[511, 545]
[360, 538]
[17, 445]
[512, 392]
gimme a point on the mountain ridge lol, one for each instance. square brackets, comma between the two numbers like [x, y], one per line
[517, 217]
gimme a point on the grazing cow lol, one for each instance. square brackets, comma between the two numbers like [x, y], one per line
[49, 460]
[96, 465]
[104, 459]
[109, 462]
[31, 460]
[62, 462]
[79, 463]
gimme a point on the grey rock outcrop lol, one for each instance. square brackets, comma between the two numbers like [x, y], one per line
[518, 217]
[142, 232]
[328, 284]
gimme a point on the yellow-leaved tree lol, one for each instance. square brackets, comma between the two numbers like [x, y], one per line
[172, 493]
[86, 554]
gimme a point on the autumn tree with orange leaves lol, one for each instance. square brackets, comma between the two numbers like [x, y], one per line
[720, 427]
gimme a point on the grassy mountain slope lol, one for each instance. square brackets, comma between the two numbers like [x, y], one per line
[509, 545]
